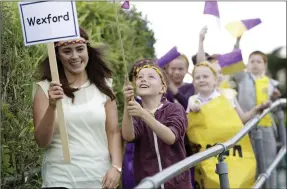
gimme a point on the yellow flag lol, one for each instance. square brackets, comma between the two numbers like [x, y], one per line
[218, 122]
[261, 87]
[236, 28]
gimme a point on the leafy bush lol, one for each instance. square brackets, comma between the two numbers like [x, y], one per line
[20, 153]
[99, 20]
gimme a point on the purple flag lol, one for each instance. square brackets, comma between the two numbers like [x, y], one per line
[211, 7]
[168, 57]
[250, 23]
[230, 58]
[126, 5]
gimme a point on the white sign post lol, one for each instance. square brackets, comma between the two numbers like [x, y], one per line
[47, 22]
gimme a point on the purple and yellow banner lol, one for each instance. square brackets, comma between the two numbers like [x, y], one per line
[237, 28]
[168, 57]
[231, 62]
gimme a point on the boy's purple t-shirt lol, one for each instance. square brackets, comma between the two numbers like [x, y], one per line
[184, 92]
[145, 159]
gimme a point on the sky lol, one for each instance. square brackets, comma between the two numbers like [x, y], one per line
[179, 23]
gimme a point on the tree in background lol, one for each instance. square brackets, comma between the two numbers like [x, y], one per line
[138, 39]
[20, 154]
[277, 67]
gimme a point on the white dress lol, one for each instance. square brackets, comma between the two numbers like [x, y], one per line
[85, 123]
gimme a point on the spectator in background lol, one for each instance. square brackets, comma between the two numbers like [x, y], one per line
[178, 91]
[254, 88]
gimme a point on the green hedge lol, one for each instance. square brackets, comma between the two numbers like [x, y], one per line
[20, 153]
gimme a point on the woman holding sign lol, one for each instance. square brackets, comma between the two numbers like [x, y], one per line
[90, 110]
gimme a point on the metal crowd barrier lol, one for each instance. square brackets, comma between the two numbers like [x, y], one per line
[219, 149]
[264, 176]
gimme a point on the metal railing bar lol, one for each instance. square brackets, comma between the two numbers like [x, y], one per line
[263, 177]
[179, 167]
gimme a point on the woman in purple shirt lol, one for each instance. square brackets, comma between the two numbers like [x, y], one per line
[157, 128]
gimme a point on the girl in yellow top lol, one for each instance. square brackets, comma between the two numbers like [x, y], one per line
[207, 79]
[214, 116]
[255, 88]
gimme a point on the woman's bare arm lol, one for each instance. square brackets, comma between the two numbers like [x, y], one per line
[113, 133]
[44, 118]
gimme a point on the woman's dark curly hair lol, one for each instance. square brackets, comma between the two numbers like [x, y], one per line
[97, 70]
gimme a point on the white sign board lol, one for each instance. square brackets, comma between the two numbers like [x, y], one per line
[48, 21]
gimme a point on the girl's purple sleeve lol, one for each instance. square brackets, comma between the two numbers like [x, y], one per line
[176, 120]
